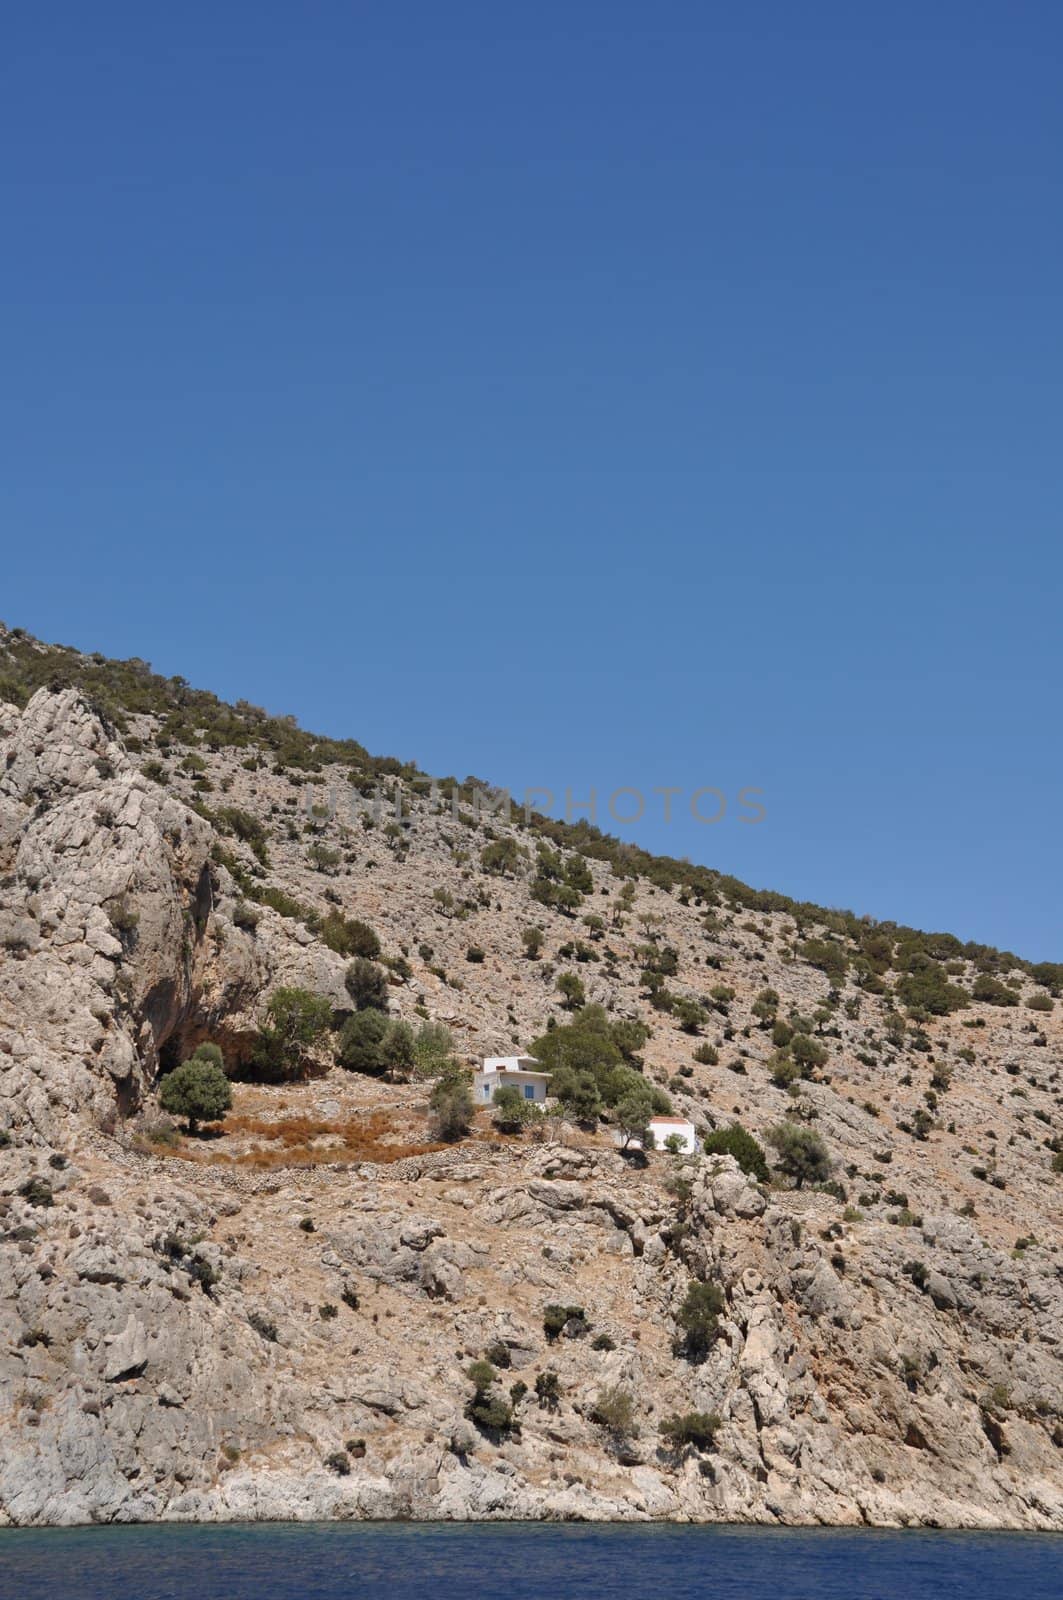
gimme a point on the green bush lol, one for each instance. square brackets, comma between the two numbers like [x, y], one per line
[367, 984]
[511, 1111]
[296, 1020]
[501, 857]
[360, 1046]
[452, 1109]
[614, 1410]
[349, 936]
[588, 1061]
[248, 829]
[737, 1142]
[556, 1318]
[571, 989]
[433, 1050]
[632, 1115]
[490, 1411]
[698, 1320]
[990, 991]
[688, 1014]
[694, 1429]
[197, 1090]
[800, 1153]
[532, 940]
[548, 1390]
[807, 1052]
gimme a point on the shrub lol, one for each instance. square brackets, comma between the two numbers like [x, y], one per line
[452, 1109]
[570, 987]
[698, 1320]
[490, 1411]
[924, 987]
[801, 1153]
[360, 1046]
[339, 1462]
[548, 1390]
[587, 1060]
[614, 1410]
[807, 1052]
[633, 1115]
[197, 1090]
[349, 936]
[297, 1018]
[784, 1070]
[736, 1141]
[248, 829]
[433, 1049]
[511, 1110]
[707, 1055]
[246, 916]
[367, 984]
[694, 1429]
[263, 1326]
[532, 940]
[37, 1192]
[322, 857]
[501, 856]
[556, 1318]
[992, 992]
[688, 1014]
[1040, 1002]
[475, 954]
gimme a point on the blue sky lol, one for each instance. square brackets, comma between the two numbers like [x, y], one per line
[578, 396]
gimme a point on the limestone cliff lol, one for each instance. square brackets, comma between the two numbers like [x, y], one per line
[211, 1329]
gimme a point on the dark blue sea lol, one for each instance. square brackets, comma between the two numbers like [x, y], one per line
[409, 1561]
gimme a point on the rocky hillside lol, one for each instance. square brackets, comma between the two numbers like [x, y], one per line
[329, 1304]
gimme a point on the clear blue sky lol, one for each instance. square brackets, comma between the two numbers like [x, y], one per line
[572, 394]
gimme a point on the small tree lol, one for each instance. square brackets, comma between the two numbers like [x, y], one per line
[361, 1046]
[452, 1108]
[433, 1050]
[397, 1050]
[198, 1090]
[693, 1429]
[367, 985]
[348, 936]
[735, 1141]
[532, 940]
[688, 1013]
[698, 1320]
[297, 1018]
[571, 990]
[577, 1091]
[614, 1410]
[801, 1153]
[633, 1115]
[548, 1390]
[510, 1109]
[807, 1052]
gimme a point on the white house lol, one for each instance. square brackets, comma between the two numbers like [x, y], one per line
[663, 1128]
[509, 1072]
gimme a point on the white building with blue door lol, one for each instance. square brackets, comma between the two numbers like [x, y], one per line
[509, 1072]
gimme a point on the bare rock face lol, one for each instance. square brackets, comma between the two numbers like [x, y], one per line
[104, 907]
[216, 1333]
